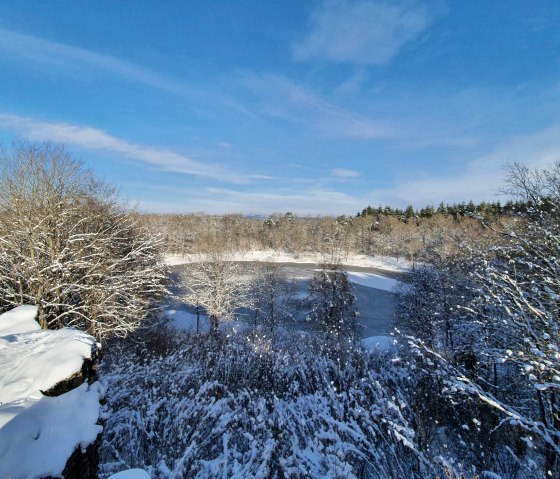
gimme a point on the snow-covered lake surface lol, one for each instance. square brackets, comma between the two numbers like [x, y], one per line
[374, 289]
[372, 280]
[131, 474]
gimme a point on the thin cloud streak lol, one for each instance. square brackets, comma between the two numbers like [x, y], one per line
[344, 173]
[284, 99]
[222, 201]
[95, 139]
[44, 51]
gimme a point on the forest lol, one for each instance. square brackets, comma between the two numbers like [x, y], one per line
[275, 380]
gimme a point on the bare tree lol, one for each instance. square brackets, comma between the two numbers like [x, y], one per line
[217, 284]
[271, 291]
[68, 247]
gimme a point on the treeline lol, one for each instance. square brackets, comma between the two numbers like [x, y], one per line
[454, 210]
[334, 238]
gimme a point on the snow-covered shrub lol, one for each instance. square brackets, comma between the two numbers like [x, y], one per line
[503, 368]
[238, 407]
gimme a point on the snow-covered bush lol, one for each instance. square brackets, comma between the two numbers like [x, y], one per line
[504, 367]
[237, 407]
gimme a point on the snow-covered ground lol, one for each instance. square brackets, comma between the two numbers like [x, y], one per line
[39, 433]
[386, 263]
[185, 321]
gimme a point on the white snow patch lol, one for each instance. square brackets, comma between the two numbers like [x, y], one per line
[185, 321]
[131, 474]
[37, 436]
[19, 320]
[378, 343]
[36, 361]
[373, 281]
[386, 262]
[38, 433]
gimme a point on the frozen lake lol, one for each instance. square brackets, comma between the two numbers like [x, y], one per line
[373, 288]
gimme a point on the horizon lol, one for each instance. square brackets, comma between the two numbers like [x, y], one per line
[320, 109]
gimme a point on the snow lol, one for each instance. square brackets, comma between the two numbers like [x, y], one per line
[373, 281]
[37, 436]
[387, 263]
[19, 320]
[39, 433]
[36, 360]
[185, 321]
[131, 474]
[378, 343]
[215, 412]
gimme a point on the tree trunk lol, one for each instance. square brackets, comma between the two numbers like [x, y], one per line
[214, 323]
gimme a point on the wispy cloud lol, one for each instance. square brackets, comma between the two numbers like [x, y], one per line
[364, 32]
[344, 173]
[219, 201]
[282, 98]
[95, 139]
[352, 85]
[480, 179]
[44, 51]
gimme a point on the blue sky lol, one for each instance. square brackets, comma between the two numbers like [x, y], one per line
[317, 107]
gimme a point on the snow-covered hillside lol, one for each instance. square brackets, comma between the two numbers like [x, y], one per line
[387, 263]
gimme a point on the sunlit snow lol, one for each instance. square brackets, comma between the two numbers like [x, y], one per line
[39, 433]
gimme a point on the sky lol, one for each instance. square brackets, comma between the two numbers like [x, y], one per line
[315, 107]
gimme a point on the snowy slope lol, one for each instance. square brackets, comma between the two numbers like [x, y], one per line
[386, 263]
[38, 433]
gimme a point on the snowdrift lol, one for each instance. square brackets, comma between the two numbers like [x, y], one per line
[39, 433]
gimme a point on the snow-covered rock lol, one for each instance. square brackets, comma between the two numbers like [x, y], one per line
[38, 433]
[19, 320]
